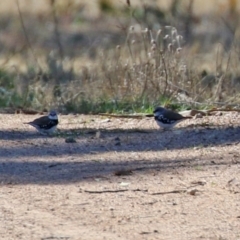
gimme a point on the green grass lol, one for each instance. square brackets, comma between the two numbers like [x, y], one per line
[110, 106]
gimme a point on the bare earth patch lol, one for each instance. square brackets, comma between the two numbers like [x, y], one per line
[121, 179]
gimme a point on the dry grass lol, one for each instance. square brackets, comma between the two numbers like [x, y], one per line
[133, 67]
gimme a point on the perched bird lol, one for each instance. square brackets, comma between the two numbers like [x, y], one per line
[46, 124]
[166, 118]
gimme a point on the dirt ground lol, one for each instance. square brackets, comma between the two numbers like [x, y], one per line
[121, 179]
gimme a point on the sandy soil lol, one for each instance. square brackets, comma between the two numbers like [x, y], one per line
[121, 179]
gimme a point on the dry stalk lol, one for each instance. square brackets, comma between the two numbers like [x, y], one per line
[26, 36]
[56, 29]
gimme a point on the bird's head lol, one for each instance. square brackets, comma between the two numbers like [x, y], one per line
[158, 111]
[53, 115]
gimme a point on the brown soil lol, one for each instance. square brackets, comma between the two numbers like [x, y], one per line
[122, 179]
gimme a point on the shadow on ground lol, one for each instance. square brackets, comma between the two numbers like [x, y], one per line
[114, 140]
[56, 172]
[34, 159]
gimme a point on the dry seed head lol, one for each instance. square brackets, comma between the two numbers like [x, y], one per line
[170, 46]
[174, 31]
[159, 32]
[166, 37]
[153, 48]
[150, 55]
[178, 50]
[153, 42]
[150, 32]
[131, 28]
[183, 68]
[179, 37]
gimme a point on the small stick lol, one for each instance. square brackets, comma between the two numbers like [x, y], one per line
[106, 191]
[125, 115]
[115, 191]
[174, 191]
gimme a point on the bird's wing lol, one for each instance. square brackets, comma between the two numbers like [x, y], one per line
[173, 115]
[41, 121]
[44, 122]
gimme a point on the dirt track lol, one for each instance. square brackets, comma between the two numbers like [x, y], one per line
[183, 184]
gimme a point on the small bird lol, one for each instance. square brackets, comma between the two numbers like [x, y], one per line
[167, 119]
[46, 124]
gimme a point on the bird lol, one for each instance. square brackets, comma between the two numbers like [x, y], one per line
[167, 119]
[45, 124]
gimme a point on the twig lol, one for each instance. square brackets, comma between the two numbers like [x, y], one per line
[226, 109]
[54, 165]
[174, 191]
[115, 191]
[166, 72]
[125, 115]
[144, 233]
[139, 190]
[106, 191]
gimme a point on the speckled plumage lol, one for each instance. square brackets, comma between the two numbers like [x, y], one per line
[166, 118]
[46, 124]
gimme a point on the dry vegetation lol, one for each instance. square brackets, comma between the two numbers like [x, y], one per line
[127, 57]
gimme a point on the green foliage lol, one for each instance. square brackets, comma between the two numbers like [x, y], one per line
[109, 106]
[6, 79]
